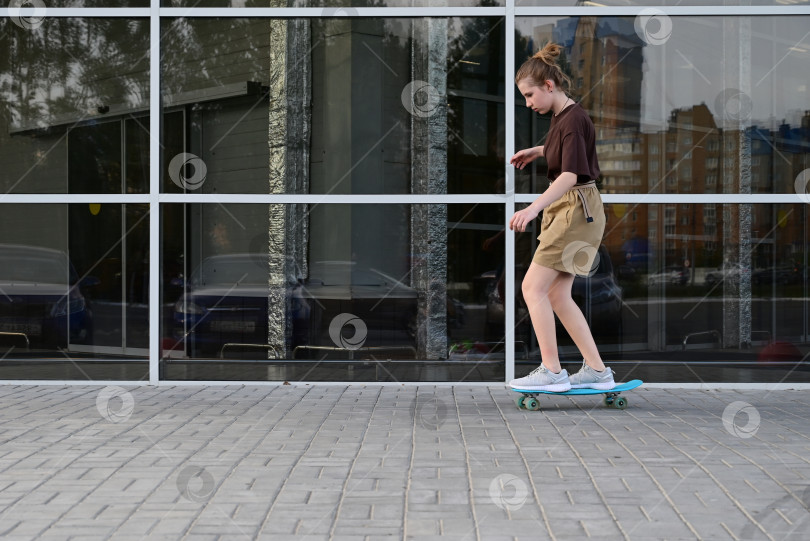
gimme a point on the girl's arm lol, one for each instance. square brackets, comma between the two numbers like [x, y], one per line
[526, 156]
[562, 184]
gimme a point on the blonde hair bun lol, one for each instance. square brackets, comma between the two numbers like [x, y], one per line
[542, 66]
[549, 53]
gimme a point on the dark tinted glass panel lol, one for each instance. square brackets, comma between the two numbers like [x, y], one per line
[73, 291]
[681, 104]
[333, 106]
[332, 292]
[691, 293]
[75, 94]
[94, 158]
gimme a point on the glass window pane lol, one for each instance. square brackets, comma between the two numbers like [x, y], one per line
[333, 8]
[74, 291]
[711, 105]
[78, 4]
[662, 3]
[76, 94]
[693, 292]
[333, 292]
[333, 106]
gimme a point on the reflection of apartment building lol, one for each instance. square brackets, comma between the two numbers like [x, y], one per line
[690, 150]
[693, 154]
[606, 58]
[613, 99]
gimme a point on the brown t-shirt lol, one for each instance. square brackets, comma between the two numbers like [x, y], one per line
[571, 145]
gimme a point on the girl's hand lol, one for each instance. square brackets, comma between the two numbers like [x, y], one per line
[526, 156]
[522, 218]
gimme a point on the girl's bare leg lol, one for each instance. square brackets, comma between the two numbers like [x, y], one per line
[536, 286]
[572, 318]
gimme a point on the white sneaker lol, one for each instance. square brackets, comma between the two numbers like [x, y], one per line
[542, 379]
[588, 378]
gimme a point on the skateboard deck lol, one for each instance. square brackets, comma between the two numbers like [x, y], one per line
[528, 399]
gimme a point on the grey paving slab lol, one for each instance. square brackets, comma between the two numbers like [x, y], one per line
[370, 462]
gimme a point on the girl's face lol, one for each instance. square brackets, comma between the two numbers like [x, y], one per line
[538, 98]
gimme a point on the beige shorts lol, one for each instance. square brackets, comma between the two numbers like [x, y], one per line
[568, 242]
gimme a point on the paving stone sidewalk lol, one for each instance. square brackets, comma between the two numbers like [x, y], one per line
[391, 462]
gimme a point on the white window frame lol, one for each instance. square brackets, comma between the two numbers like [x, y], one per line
[509, 12]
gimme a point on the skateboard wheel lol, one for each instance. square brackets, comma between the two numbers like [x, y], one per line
[620, 403]
[519, 402]
[531, 404]
[609, 400]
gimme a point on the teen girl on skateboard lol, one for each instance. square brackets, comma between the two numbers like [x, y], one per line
[573, 224]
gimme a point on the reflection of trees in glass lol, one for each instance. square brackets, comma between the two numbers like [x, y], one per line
[71, 67]
[203, 53]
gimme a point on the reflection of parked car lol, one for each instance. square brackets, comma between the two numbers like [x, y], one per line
[386, 305]
[674, 274]
[783, 275]
[41, 299]
[495, 312]
[604, 296]
[600, 290]
[226, 301]
[725, 273]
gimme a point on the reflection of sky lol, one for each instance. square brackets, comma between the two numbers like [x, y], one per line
[701, 61]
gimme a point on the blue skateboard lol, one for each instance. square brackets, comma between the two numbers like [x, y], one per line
[528, 399]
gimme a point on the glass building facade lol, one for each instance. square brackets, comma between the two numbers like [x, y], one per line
[230, 190]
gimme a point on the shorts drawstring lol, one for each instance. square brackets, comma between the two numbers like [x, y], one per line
[564, 228]
[578, 187]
